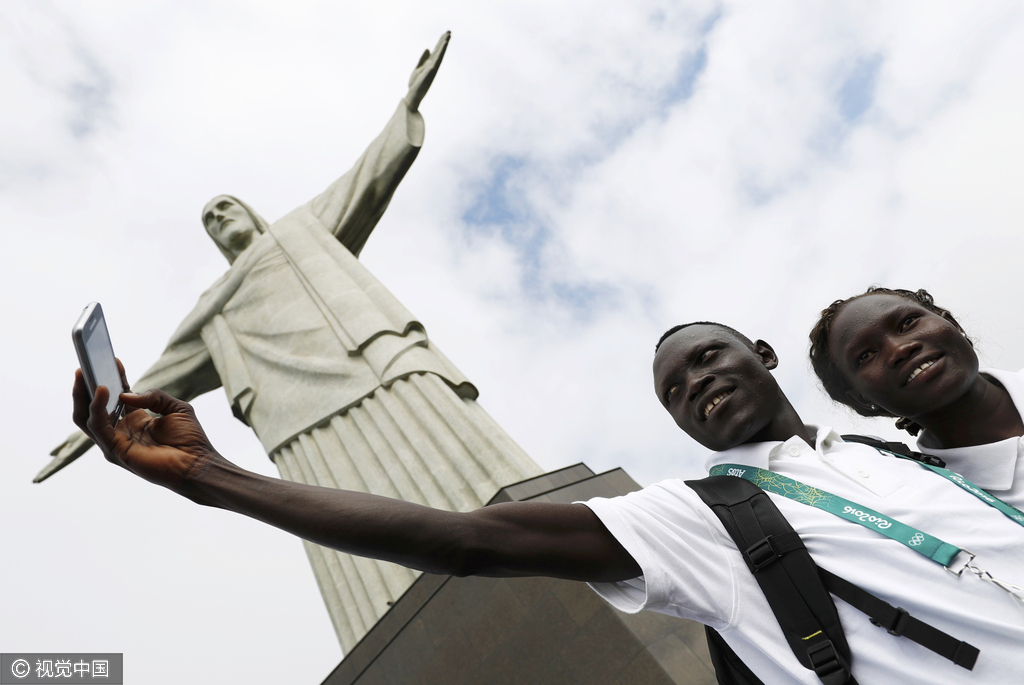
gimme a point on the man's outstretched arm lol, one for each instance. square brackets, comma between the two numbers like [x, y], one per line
[512, 539]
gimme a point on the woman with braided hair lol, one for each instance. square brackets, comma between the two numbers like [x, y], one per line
[892, 352]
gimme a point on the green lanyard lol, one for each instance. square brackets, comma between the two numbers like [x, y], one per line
[917, 540]
[1012, 512]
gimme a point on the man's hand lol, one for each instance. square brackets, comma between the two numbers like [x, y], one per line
[166, 449]
[423, 75]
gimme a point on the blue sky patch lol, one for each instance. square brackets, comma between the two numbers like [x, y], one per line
[499, 202]
[857, 93]
[89, 96]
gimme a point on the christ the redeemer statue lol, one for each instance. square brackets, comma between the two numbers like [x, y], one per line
[335, 376]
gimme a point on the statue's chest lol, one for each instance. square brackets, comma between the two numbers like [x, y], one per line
[274, 311]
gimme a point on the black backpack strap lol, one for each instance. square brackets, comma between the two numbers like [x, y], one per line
[734, 501]
[897, 621]
[729, 668]
[785, 572]
[896, 448]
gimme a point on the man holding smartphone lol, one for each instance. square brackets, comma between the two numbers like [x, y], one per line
[660, 548]
[96, 356]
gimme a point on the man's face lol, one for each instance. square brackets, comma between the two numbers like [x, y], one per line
[718, 389]
[900, 356]
[229, 224]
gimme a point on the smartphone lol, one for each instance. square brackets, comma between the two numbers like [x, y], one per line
[96, 357]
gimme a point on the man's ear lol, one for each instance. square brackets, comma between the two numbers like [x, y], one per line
[767, 354]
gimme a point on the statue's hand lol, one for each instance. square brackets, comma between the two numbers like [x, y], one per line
[167, 449]
[423, 75]
[77, 444]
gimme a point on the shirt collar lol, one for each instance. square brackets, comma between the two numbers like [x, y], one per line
[759, 454]
[992, 465]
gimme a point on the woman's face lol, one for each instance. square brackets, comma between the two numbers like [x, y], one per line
[898, 355]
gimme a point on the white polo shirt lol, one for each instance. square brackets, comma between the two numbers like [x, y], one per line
[692, 568]
[996, 466]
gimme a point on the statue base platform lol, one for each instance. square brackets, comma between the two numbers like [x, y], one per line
[490, 631]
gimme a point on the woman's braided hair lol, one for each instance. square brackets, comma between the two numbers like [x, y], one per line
[828, 373]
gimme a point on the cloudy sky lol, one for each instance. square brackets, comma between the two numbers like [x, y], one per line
[592, 174]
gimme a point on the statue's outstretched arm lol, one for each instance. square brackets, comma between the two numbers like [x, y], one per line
[352, 205]
[182, 373]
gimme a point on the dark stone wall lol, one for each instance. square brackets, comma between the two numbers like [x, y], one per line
[491, 631]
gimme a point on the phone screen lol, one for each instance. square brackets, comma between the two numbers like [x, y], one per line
[101, 359]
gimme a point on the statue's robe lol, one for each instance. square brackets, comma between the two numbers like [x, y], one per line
[337, 378]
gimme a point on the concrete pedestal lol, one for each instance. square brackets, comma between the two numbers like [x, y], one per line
[486, 631]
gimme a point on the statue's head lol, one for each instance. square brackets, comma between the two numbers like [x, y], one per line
[232, 224]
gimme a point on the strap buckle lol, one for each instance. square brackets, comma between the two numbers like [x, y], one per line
[827, 664]
[760, 554]
[966, 564]
[899, 622]
[965, 656]
[901, 450]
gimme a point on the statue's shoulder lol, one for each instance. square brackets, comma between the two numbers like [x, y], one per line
[303, 217]
[213, 299]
